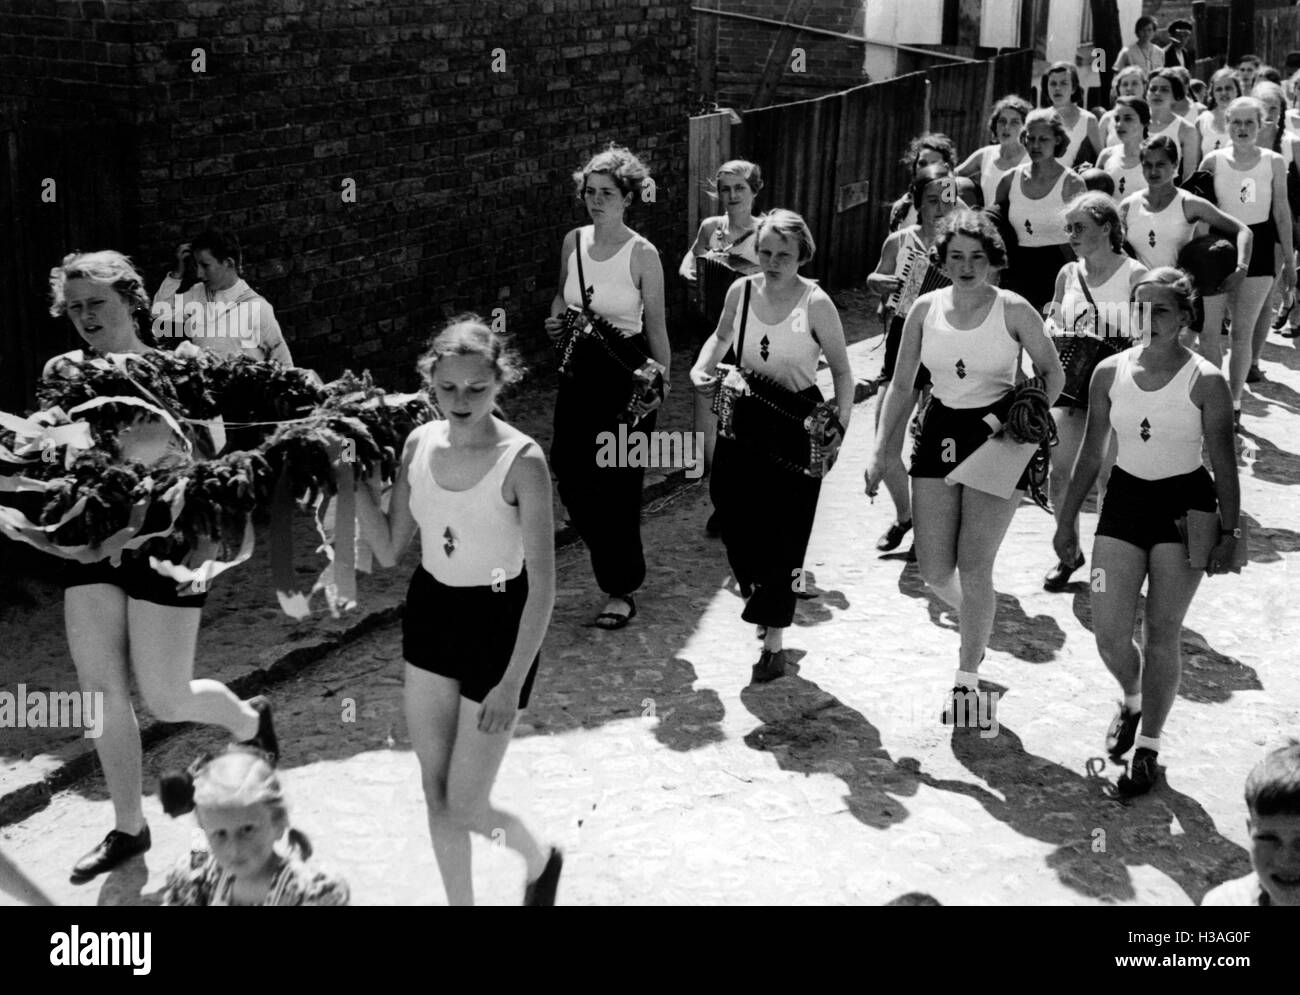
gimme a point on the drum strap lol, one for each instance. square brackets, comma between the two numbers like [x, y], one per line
[744, 320]
[1096, 311]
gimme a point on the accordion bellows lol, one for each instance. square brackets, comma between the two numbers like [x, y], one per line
[591, 347]
[789, 428]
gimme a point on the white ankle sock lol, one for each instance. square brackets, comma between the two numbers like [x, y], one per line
[1133, 702]
[964, 679]
[1151, 743]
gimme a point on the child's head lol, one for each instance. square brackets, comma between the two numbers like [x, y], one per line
[1273, 799]
[927, 150]
[466, 366]
[1098, 180]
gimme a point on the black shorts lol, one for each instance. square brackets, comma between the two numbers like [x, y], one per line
[949, 435]
[465, 633]
[1145, 513]
[135, 577]
[1263, 260]
[894, 339]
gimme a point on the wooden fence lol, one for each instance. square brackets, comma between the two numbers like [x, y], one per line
[835, 159]
[1277, 32]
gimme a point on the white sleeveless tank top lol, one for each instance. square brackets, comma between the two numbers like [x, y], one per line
[991, 175]
[786, 352]
[1171, 130]
[971, 368]
[1157, 238]
[1128, 180]
[1211, 138]
[1246, 194]
[1077, 134]
[1159, 431]
[469, 538]
[613, 294]
[1037, 222]
[1111, 297]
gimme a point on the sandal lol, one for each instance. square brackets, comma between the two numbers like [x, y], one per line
[613, 620]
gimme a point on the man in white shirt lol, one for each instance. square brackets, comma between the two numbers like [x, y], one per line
[221, 312]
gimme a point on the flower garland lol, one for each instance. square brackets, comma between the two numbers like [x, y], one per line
[299, 438]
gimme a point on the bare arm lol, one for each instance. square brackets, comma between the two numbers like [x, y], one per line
[557, 302]
[389, 535]
[826, 325]
[530, 481]
[883, 281]
[698, 248]
[1189, 140]
[1282, 218]
[648, 274]
[1028, 328]
[898, 398]
[973, 165]
[715, 347]
[1096, 435]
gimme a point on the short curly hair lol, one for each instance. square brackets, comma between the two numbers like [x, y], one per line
[1010, 102]
[971, 224]
[935, 141]
[618, 163]
[106, 266]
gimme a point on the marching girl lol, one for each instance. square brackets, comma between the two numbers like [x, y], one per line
[969, 336]
[130, 619]
[1123, 162]
[729, 237]
[1163, 88]
[1272, 135]
[1063, 93]
[929, 149]
[625, 285]
[932, 190]
[479, 493]
[1212, 125]
[1143, 52]
[1161, 219]
[240, 807]
[1250, 185]
[1131, 81]
[988, 165]
[1033, 198]
[767, 511]
[1162, 401]
[1092, 296]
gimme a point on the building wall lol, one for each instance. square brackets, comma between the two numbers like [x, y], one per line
[462, 174]
[832, 64]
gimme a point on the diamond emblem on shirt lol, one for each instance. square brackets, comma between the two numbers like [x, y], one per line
[1029, 228]
[1146, 430]
[1122, 181]
[449, 546]
[763, 349]
[961, 370]
[1151, 238]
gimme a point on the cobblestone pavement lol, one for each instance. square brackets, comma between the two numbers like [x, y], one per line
[670, 779]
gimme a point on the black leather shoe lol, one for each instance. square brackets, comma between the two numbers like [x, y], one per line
[1142, 774]
[542, 891]
[893, 536]
[117, 848]
[1254, 374]
[770, 666]
[911, 553]
[265, 740]
[1058, 578]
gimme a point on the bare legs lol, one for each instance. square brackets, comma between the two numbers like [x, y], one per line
[108, 633]
[458, 766]
[958, 533]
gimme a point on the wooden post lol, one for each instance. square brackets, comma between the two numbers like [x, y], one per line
[1107, 35]
[778, 57]
[1201, 28]
[1241, 30]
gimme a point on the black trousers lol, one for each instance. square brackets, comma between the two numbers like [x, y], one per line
[604, 503]
[767, 516]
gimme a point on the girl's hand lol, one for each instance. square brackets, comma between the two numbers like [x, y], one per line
[885, 285]
[872, 475]
[1221, 557]
[1066, 543]
[499, 709]
[1234, 278]
[705, 382]
[1288, 279]
[554, 327]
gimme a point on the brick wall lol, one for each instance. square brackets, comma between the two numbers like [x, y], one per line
[461, 173]
[831, 64]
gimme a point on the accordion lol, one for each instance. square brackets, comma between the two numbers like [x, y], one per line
[592, 348]
[715, 277]
[795, 432]
[919, 277]
[1080, 355]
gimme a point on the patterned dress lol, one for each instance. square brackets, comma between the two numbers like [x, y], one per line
[199, 880]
